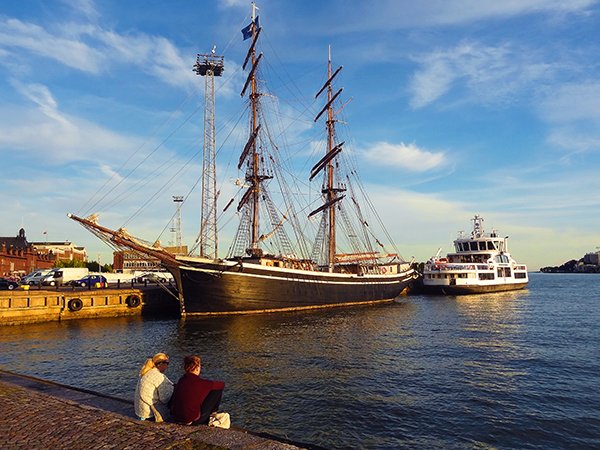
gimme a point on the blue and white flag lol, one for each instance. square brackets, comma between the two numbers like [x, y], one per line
[247, 30]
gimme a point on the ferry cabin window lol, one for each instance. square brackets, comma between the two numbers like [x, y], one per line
[502, 259]
[486, 276]
[520, 275]
[474, 246]
[482, 245]
[503, 272]
[490, 245]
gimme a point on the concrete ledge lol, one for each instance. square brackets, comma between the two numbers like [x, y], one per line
[39, 414]
[20, 307]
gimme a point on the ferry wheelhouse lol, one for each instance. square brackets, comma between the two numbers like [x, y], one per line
[481, 263]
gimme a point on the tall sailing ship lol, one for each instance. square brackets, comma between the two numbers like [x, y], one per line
[253, 279]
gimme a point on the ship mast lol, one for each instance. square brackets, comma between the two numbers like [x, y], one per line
[327, 163]
[254, 176]
[253, 126]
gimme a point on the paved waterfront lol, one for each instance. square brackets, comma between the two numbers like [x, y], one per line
[41, 415]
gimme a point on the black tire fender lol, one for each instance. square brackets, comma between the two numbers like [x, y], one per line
[133, 301]
[75, 304]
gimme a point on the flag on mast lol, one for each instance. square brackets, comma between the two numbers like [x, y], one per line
[248, 30]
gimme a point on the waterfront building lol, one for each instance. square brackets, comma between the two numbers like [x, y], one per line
[19, 257]
[64, 251]
[592, 258]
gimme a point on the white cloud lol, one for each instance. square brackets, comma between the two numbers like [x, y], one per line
[110, 173]
[489, 74]
[432, 82]
[18, 35]
[407, 156]
[461, 11]
[154, 55]
[420, 223]
[574, 111]
[233, 3]
[46, 130]
[394, 14]
[92, 49]
[573, 102]
[86, 8]
[574, 140]
[40, 95]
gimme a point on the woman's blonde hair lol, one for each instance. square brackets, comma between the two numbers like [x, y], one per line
[152, 362]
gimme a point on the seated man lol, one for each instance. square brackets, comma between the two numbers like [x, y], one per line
[195, 399]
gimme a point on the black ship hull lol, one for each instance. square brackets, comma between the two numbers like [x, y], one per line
[233, 288]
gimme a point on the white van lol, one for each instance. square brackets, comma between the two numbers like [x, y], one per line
[62, 275]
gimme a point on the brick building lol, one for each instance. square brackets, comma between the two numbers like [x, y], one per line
[19, 257]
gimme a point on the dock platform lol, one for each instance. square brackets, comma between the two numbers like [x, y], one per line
[18, 307]
[40, 414]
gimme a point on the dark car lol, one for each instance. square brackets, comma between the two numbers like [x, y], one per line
[90, 280]
[8, 284]
[152, 277]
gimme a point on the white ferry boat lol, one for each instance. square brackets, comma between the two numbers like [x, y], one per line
[481, 263]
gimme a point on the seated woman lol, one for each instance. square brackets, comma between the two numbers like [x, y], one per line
[195, 399]
[154, 389]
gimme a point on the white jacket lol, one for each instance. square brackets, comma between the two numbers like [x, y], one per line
[154, 388]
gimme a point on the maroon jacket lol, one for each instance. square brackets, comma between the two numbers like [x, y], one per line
[190, 391]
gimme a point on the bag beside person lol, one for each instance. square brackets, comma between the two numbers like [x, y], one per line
[220, 420]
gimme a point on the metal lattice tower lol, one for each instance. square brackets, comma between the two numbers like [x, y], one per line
[209, 66]
[178, 199]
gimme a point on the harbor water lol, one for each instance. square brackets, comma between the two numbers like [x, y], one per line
[508, 370]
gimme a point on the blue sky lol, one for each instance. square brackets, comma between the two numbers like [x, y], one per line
[457, 108]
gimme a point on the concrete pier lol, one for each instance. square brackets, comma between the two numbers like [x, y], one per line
[45, 305]
[38, 414]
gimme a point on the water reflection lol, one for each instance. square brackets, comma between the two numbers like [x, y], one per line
[426, 372]
[492, 336]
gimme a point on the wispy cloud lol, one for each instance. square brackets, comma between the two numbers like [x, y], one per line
[486, 73]
[86, 8]
[394, 14]
[573, 111]
[462, 11]
[573, 102]
[45, 129]
[407, 156]
[21, 36]
[95, 50]
[233, 3]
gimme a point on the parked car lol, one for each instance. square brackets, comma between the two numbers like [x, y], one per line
[35, 277]
[8, 284]
[152, 277]
[89, 280]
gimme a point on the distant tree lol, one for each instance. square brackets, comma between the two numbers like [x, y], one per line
[93, 266]
[73, 263]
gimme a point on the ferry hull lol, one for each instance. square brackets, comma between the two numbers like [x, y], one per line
[237, 289]
[472, 289]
